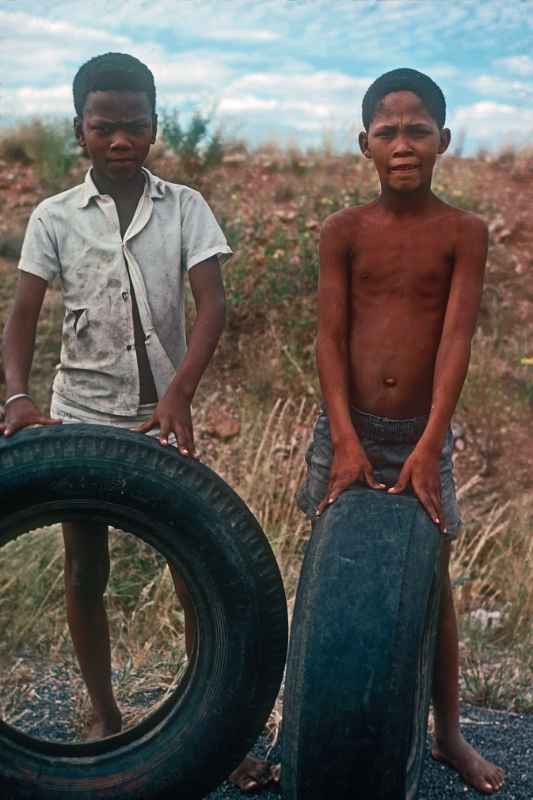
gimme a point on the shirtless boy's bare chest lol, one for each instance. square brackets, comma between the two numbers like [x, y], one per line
[409, 262]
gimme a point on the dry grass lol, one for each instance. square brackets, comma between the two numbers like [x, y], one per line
[36, 651]
[492, 568]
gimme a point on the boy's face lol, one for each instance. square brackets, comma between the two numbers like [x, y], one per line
[117, 129]
[403, 141]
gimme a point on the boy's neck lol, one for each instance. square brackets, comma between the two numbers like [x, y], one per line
[406, 203]
[132, 187]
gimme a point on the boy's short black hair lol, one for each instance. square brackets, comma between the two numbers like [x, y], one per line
[112, 71]
[405, 80]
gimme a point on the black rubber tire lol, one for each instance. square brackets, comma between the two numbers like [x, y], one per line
[188, 745]
[360, 659]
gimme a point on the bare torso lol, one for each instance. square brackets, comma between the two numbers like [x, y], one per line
[399, 272]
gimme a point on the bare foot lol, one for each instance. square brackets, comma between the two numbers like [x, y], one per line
[101, 727]
[476, 771]
[253, 774]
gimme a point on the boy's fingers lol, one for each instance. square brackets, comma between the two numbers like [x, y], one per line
[164, 430]
[146, 426]
[334, 491]
[372, 482]
[48, 421]
[399, 486]
[183, 440]
[429, 505]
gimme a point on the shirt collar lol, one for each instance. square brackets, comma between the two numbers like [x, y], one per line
[155, 187]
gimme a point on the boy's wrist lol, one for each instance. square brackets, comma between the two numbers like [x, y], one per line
[182, 390]
[432, 445]
[12, 398]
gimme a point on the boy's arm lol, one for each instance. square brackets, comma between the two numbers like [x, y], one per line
[451, 364]
[173, 411]
[17, 351]
[350, 463]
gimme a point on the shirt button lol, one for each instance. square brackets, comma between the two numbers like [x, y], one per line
[124, 295]
[129, 347]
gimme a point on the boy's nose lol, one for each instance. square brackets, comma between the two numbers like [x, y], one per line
[120, 141]
[402, 146]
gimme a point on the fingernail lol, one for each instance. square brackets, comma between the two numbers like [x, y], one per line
[164, 441]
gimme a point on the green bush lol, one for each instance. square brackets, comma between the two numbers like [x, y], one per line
[49, 146]
[197, 149]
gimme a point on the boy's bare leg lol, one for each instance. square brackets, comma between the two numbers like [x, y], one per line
[86, 576]
[252, 773]
[188, 611]
[449, 745]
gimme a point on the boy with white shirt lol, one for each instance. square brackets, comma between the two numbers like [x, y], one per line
[120, 245]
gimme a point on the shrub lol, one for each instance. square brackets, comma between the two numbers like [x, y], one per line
[49, 146]
[197, 149]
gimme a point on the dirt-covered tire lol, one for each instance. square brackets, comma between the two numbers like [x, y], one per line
[193, 740]
[362, 643]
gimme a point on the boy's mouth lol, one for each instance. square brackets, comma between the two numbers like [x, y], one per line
[403, 167]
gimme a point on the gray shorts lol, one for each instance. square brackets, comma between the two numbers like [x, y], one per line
[72, 412]
[387, 444]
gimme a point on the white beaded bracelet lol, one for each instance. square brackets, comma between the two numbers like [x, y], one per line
[18, 396]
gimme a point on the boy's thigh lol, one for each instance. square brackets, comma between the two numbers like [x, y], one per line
[318, 459]
[387, 459]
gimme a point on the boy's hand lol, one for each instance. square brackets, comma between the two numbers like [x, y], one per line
[172, 415]
[21, 414]
[422, 471]
[350, 465]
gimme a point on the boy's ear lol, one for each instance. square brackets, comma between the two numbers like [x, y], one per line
[445, 137]
[363, 144]
[154, 128]
[78, 131]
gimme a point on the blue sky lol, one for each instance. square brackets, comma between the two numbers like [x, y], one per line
[283, 70]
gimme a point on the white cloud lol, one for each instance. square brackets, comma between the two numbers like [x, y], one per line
[495, 123]
[495, 85]
[520, 65]
[242, 35]
[34, 102]
[301, 82]
[245, 103]
[15, 22]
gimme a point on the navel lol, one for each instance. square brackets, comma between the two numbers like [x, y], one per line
[390, 381]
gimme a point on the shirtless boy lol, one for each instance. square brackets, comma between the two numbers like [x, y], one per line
[120, 245]
[399, 292]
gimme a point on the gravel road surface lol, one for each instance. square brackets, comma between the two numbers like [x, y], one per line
[505, 738]
[501, 736]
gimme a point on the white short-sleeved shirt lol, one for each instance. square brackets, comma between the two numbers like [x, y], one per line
[75, 236]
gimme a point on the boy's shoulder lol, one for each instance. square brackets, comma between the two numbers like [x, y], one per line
[346, 220]
[460, 220]
[58, 203]
[163, 188]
